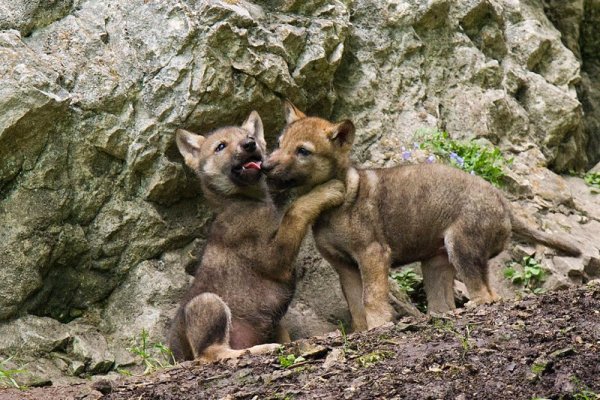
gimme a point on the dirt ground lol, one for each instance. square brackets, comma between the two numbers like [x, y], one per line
[539, 347]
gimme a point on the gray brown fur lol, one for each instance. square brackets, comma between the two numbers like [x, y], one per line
[449, 220]
[246, 278]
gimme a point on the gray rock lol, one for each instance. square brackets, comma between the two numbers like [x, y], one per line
[91, 182]
[33, 335]
[91, 348]
[505, 77]
[334, 358]
[27, 15]
[147, 299]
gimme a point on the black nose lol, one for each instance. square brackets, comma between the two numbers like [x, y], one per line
[249, 145]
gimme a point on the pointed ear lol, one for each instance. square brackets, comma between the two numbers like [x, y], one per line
[342, 133]
[254, 126]
[189, 145]
[292, 113]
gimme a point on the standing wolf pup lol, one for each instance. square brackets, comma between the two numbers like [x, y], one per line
[246, 278]
[445, 218]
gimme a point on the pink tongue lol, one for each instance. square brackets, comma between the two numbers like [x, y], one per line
[252, 165]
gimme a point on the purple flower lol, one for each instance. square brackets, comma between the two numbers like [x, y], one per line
[406, 155]
[430, 159]
[457, 159]
[416, 145]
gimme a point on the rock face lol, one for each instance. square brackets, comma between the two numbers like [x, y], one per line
[478, 69]
[100, 219]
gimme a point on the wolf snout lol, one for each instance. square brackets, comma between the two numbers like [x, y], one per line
[268, 165]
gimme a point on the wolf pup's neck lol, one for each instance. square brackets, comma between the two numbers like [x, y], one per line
[219, 201]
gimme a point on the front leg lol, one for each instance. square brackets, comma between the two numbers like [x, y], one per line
[374, 262]
[301, 214]
[350, 282]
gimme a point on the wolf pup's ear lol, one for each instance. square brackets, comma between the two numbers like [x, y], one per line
[189, 145]
[291, 112]
[254, 126]
[342, 133]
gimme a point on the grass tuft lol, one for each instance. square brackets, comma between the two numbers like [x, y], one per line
[154, 355]
[7, 375]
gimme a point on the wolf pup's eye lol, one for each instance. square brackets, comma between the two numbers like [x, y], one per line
[303, 152]
[220, 147]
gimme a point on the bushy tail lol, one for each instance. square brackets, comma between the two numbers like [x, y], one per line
[521, 228]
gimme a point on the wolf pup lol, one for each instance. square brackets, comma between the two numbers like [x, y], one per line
[246, 278]
[445, 218]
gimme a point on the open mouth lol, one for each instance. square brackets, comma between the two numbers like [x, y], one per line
[249, 169]
[253, 164]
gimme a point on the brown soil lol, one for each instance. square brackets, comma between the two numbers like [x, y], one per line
[539, 347]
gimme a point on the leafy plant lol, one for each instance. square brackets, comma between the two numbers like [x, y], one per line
[372, 358]
[593, 179]
[469, 156]
[412, 284]
[408, 280]
[289, 360]
[7, 375]
[528, 273]
[583, 392]
[154, 355]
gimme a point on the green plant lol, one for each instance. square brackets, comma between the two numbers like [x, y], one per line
[446, 325]
[282, 396]
[528, 273]
[464, 339]
[538, 368]
[582, 391]
[408, 280]
[469, 156]
[593, 179]
[412, 284]
[373, 357]
[124, 372]
[154, 355]
[346, 342]
[7, 375]
[289, 360]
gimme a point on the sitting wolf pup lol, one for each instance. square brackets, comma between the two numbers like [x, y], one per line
[246, 278]
[445, 218]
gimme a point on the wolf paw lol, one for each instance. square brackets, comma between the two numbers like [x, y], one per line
[266, 348]
[333, 192]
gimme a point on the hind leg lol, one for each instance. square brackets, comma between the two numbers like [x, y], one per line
[438, 280]
[469, 258]
[207, 329]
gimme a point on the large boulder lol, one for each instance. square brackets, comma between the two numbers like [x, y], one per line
[478, 69]
[91, 183]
